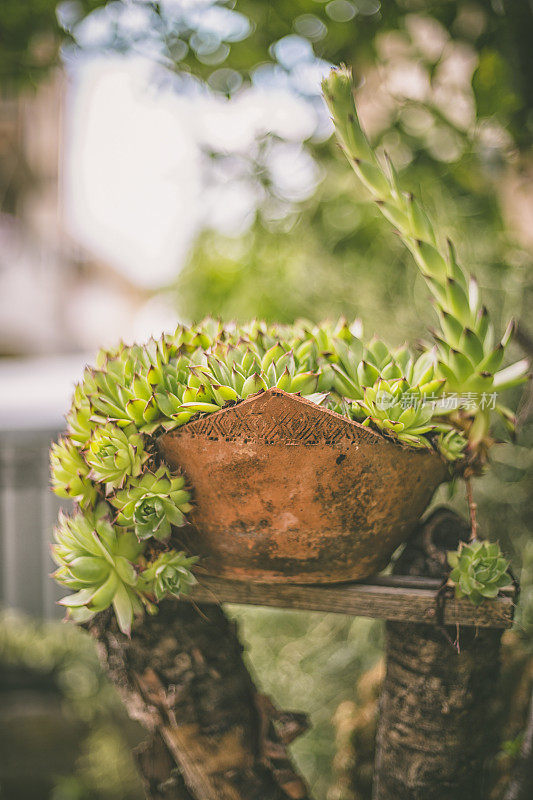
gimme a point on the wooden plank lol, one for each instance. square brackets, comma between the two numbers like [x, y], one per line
[397, 598]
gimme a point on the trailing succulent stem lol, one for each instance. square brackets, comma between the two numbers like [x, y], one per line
[469, 359]
[117, 549]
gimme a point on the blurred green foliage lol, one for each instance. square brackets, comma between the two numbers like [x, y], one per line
[53, 658]
[225, 41]
[30, 36]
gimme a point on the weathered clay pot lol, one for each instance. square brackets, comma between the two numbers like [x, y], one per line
[287, 491]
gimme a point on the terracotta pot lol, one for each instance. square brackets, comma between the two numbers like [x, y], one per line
[287, 491]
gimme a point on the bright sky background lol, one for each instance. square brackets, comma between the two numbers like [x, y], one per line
[136, 187]
[132, 171]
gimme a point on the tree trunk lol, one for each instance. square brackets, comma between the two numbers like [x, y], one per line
[212, 736]
[435, 734]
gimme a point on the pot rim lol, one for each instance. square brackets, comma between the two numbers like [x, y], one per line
[303, 401]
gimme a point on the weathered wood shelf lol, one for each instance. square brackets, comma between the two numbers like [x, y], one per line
[396, 598]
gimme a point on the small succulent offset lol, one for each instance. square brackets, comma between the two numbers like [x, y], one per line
[170, 574]
[152, 504]
[451, 445]
[479, 571]
[117, 548]
[394, 406]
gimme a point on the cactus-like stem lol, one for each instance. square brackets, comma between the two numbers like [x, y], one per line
[468, 358]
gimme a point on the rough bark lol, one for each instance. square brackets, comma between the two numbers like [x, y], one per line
[435, 735]
[211, 735]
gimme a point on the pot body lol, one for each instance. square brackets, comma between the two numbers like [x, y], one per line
[285, 490]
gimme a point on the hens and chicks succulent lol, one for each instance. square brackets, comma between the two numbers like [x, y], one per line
[117, 548]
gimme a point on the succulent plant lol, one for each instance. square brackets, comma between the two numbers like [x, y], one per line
[170, 574]
[70, 473]
[357, 366]
[105, 453]
[152, 503]
[96, 560]
[136, 392]
[398, 409]
[120, 391]
[469, 359]
[195, 337]
[451, 444]
[479, 570]
[113, 454]
[233, 372]
[392, 391]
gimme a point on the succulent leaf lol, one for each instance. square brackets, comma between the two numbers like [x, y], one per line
[70, 473]
[169, 575]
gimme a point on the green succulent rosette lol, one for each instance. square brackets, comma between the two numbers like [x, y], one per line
[399, 406]
[234, 371]
[383, 407]
[479, 571]
[452, 445]
[96, 561]
[153, 503]
[114, 454]
[122, 390]
[169, 575]
[70, 474]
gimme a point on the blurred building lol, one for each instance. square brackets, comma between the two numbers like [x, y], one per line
[42, 272]
[48, 282]
[33, 256]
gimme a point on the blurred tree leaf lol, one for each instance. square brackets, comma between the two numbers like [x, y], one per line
[30, 35]
[492, 84]
[226, 41]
